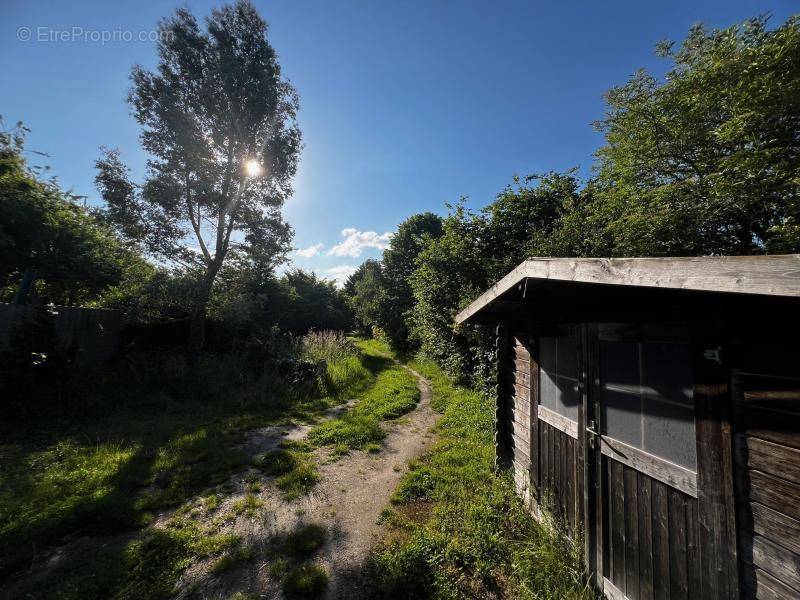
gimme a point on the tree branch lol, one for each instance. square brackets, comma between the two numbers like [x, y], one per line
[195, 222]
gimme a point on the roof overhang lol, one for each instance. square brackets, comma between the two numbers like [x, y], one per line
[771, 275]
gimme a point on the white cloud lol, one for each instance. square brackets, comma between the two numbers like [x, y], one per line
[310, 251]
[339, 274]
[356, 241]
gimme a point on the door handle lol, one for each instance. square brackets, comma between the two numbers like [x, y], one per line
[594, 436]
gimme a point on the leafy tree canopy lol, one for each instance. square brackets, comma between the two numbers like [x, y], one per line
[42, 228]
[707, 160]
[219, 123]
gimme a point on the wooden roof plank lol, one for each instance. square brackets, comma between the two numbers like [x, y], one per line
[771, 275]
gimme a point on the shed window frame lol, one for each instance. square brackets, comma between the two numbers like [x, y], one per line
[638, 455]
[551, 415]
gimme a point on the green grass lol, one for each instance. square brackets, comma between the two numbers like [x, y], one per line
[249, 505]
[276, 462]
[303, 475]
[231, 560]
[100, 457]
[458, 530]
[305, 581]
[305, 540]
[350, 430]
[393, 394]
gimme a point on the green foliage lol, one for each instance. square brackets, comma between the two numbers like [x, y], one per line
[706, 160]
[277, 462]
[458, 530]
[393, 394]
[302, 478]
[399, 263]
[305, 540]
[248, 505]
[364, 290]
[75, 256]
[231, 560]
[352, 430]
[305, 581]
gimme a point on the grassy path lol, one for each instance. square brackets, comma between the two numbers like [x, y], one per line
[457, 529]
[286, 504]
[341, 512]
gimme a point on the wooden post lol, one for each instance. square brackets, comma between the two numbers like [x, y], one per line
[716, 517]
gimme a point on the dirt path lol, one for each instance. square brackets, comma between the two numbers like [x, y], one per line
[348, 501]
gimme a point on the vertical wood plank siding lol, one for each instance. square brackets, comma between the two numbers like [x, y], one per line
[557, 468]
[652, 532]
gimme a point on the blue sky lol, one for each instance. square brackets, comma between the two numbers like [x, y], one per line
[404, 105]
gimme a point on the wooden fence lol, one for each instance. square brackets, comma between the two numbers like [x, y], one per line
[88, 336]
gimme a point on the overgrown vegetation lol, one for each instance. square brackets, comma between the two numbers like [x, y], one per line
[150, 434]
[394, 393]
[305, 581]
[302, 476]
[458, 530]
[701, 161]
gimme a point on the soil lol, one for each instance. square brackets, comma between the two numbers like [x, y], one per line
[347, 502]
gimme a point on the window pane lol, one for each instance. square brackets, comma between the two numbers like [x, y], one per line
[667, 372]
[649, 405]
[669, 432]
[547, 354]
[549, 391]
[547, 367]
[558, 375]
[568, 377]
[621, 402]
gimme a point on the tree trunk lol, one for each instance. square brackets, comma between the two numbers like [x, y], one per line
[197, 326]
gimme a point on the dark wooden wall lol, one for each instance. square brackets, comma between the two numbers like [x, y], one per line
[556, 473]
[766, 393]
[651, 536]
[515, 410]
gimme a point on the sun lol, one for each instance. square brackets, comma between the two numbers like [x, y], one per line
[253, 168]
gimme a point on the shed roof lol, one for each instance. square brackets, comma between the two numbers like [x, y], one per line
[771, 275]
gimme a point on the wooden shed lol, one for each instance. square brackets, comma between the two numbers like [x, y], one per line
[654, 404]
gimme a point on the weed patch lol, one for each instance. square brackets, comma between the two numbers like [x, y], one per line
[351, 430]
[305, 581]
[458, 529]
[305, 540]
[233, 559]
[393, 394]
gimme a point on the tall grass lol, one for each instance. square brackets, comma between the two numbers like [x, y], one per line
[152, 433]
[346, 374]
[393, 394]
[458, 530]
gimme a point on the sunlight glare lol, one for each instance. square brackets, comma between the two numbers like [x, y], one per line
[252, 168]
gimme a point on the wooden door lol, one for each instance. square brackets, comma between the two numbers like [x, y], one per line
[640, 432]
[557, 465]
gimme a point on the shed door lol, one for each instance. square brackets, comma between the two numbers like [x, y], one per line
[646, 470]
[555, 437]
[767, 477]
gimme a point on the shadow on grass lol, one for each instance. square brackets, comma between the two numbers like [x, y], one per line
[101, 458]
